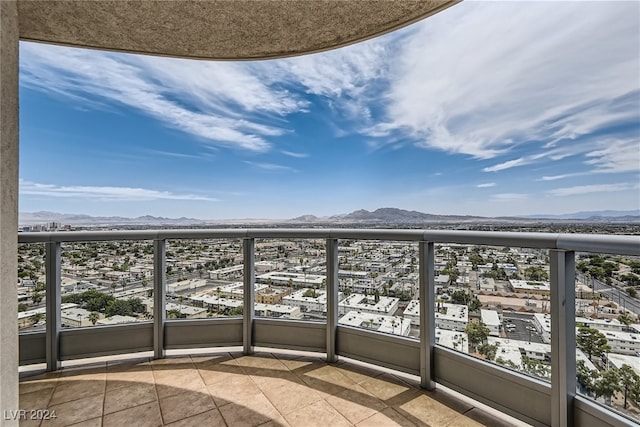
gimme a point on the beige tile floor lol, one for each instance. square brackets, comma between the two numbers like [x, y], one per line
[229, 389]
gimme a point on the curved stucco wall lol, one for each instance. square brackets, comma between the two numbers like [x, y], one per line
[217, 29]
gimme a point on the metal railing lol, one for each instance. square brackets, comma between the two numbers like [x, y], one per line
[523, 397]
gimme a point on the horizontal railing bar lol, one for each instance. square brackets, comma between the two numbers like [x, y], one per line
[604, 414]
[379, 336]
[94, 329]
[607, 244]
[189, 323]
[516, 377]
[600, 243]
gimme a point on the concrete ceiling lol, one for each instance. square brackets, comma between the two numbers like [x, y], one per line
[216, 29]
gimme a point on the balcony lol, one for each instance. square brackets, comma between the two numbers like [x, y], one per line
[223, 388]
[527, 399]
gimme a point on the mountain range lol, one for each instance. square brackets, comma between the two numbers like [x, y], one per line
[362, 216]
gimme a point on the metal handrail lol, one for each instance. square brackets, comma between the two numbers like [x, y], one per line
[597, 243]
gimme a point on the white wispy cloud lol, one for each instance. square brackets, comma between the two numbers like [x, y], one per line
[556, 177]
[509, 196]
[507, 165]
[616, 156]
[271, 166]
[295, 154]
[594, 188]
[174, 154]
[106, 193]
[221, 103]
[543, 73]
[486, 185]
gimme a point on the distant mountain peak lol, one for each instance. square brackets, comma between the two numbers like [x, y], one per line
[305, 218]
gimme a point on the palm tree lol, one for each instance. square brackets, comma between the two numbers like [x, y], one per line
[37, 317]
[173, 314]
[304, 269]
[36, 297]
[218, 291]
[93, 317]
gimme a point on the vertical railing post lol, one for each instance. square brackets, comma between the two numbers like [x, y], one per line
[332, 299]
[426, 253]
[563, 337]
[249, 297]
[159, 296]
[53, 303]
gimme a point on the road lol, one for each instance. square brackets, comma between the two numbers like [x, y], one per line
[615, 293]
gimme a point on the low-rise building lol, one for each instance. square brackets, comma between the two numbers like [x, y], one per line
[486, 284]
[214, 302]
[452, 339]
[186, 285]
[617, 360]
[367, 304]
[514, 350]
[270, 295]
[491, 319]
[297, 280]
[315, 304]
[75, 317]
[412, 311]
[508, 268]
[116, 320]
[400, 288]
[27, 318]
[542, 323]
[265, 266]
[226, 272]
[387, 324]
[188, 311]
[277, 311]
[602, 324]
[453, 317]
[530, 287]
[623, 342]
[235, 290]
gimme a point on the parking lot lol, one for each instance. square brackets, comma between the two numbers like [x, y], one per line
[523, 330]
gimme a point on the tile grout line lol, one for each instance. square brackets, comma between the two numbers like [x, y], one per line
[215, 405]
[267, 397]
[104, 397]
[155, 391]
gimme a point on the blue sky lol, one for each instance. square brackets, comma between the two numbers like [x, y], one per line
[488, 108]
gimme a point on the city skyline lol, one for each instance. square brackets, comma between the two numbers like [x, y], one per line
[538, 112]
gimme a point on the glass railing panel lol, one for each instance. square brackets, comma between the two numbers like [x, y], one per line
[291, 279]
[32, 291]
[204, 278]
[519, 302]
[106, 283]
[378, 280]
[608, 331]
[492, 302]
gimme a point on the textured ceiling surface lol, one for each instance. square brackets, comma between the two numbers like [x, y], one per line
[215, 29]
